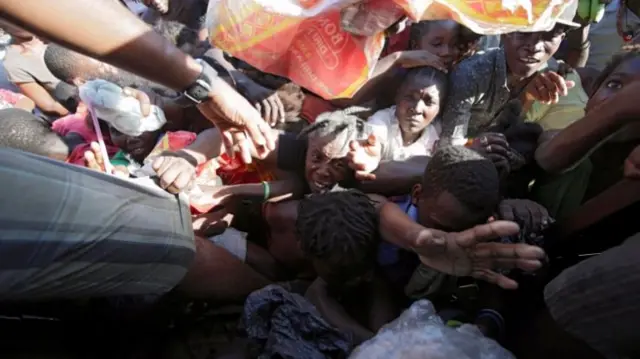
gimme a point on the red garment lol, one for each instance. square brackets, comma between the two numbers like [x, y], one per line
[235, 171]
[397, 42]
[75, 123]
[312, 106]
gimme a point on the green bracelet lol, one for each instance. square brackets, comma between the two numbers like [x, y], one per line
[267, 190]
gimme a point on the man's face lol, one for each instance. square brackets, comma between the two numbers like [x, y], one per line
[527, 52]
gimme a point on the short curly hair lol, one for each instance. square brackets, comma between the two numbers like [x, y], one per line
[468, 176]
[339, 227]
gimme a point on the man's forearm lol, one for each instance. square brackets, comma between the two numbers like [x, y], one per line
[89, 28]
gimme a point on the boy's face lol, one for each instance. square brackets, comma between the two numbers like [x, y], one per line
[443, 212]
[417, 105]
[325, 164]
[623, 75]
[527, 52]
[441, 39]
[341, 279]
[137, 147]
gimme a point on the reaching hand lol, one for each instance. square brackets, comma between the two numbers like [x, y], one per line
[364, 157]
[529, 215]
[547, 87]
[142, 97]
[175, 172]
[236, 119]
[420, 58]
[266, 102]
[495, 147]
[468, 253]
[94, 160]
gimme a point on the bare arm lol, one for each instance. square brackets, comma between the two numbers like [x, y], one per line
[209, 145]
[568, 147]
[42, 99]
[578, 43]
[396, 177]
[122, 43]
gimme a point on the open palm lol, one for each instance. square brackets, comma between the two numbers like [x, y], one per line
[468, 254]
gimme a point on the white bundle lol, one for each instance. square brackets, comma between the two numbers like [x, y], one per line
[109, 103]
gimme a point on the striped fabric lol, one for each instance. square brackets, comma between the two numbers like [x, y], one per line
[69, 232]
[597, 300]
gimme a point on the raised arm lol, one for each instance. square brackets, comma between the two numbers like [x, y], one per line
[577, 141]
[131, 44]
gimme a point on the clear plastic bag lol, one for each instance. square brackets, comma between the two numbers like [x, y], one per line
[419, 333]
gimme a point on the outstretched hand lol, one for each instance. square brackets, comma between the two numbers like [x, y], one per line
[364, 157]
[469, 253]
[240, 124]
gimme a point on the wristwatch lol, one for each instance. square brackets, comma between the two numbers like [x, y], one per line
[198, 92]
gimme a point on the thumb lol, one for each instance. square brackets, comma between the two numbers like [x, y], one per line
[157, 163]
[354, 145]
[570, 84]
[372, 140]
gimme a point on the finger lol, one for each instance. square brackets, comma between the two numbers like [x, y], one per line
[546, 87]
[262, 137]
[242, 145]
[494, 251]
[559, 82]
[506, 211]
[280, 113]
[495, 278]
[356, 165]
[498, 150]
[184, 180]
[267, 114]
[486, 232]
[168, 177]
[143, 98]
[528, 265]
[365, 176]
[95, 148]
[227, 141]
[495, 139]
[90, 161]
[157, 163]
[354, 145]
[372, 140]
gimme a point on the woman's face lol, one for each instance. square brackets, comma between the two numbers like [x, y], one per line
[441, 39]
[325, 164]
[623, 75]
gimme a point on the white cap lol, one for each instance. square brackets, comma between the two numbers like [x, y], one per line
[569, 13]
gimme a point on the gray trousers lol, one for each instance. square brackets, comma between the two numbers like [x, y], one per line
[68, 232]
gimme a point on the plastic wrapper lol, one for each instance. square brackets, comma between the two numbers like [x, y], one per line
[331, 47]
[420, 333]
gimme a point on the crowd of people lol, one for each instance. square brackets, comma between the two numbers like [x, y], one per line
[476, 172]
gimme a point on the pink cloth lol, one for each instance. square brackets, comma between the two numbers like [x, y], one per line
[10, 97]
[74, 123]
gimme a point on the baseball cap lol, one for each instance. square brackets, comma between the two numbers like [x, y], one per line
[569, 13]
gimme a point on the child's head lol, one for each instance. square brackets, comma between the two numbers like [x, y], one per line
[179, 34]
[439, 37]
[328, 143]
[338, 231]
[21, 130]
[419, 99]
[459, 190]
[623, 69]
